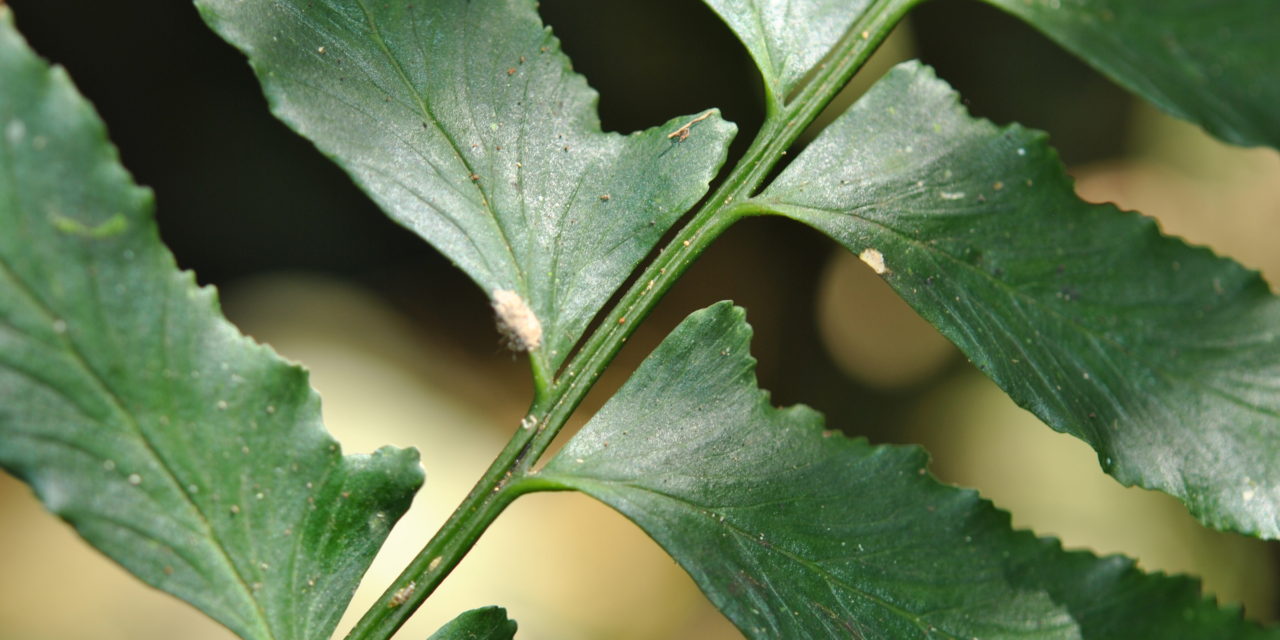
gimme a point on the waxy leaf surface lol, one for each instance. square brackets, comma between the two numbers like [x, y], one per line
[485, 623]
[1211, 62]
[787, 38]
[794, 532]
[178, 447]
[464, 122]
[1164, 357]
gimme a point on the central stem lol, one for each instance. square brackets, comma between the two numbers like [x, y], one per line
[555, 401]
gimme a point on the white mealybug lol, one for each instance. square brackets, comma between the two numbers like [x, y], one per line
[516, 321]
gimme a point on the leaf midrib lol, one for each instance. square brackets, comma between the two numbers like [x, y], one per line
[427, 113]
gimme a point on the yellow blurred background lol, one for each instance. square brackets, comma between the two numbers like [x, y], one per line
[422, 367]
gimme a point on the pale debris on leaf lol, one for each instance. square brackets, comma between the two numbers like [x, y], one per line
[516, 321]
[874, 259]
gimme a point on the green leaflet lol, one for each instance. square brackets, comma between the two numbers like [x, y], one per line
[464, 122]
[787, 38]
[794, 532]
[1211, 62]
[485, 623]
[1164, 357]
[184, 451]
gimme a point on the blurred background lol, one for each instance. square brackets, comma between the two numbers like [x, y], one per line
[403, 350]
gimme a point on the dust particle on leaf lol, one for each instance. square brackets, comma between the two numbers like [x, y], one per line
[682, 134]
[874, 259]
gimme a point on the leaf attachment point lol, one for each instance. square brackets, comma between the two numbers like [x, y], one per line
[797, 532]
[464, 121]
[1164, 357]
[516, 321]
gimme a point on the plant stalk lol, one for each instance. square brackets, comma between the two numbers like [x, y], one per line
[728, 204]
[487, 499]
[555, 400]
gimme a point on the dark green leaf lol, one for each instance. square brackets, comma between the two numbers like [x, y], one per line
[794, 532]
[485, 623]
[786, 38]
[188, 454]
[1212, 62]
[1164, 357]
[464, 122]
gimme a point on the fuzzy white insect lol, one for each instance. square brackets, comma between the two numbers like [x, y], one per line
[516, 321]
